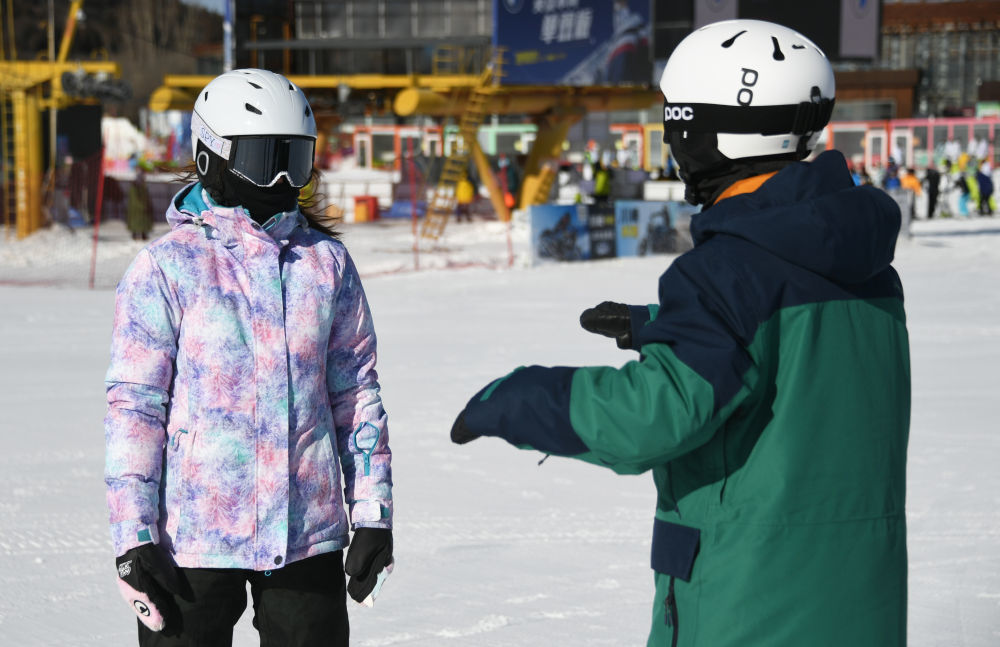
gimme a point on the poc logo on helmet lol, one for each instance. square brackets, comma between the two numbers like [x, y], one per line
[678, 113]
[749, 79]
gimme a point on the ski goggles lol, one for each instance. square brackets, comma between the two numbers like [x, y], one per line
[261, 159]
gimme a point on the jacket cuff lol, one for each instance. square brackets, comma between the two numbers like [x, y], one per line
[371, 514]
[639, 316]
[126, 535]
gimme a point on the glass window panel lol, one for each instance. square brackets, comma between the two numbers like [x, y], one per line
[996, 147]
[368, 61]
[364, 19]
[395, 61]
[383, 150]
[305, 20]
[432, 18]
[421, 60]
[363, 153]
[463, 18]
[961, 135]
[851, 143]
[398, 19]
[920, 137]
[940, 139]
[655, 149]
[486, 16]
[507, 144]
[332, 16]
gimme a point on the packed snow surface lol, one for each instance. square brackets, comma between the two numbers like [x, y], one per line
[491, 548]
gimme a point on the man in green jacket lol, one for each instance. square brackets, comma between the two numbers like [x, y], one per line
[771, 399]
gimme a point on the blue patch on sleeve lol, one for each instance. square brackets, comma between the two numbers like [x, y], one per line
[143, 535]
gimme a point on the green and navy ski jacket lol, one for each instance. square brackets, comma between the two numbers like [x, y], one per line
[771, 402]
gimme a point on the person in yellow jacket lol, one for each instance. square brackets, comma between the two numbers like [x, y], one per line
[909, 181]
[465, 193]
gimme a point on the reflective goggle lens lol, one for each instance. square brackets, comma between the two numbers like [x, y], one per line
[262, 160]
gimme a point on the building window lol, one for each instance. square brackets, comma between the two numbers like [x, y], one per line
[364, 19]
[433, 18]
[333, 19]
[398, 19]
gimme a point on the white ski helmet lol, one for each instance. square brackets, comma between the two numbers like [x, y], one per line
[259, 122]
[744, 89]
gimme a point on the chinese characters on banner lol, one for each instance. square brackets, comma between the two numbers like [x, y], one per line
[574, 42]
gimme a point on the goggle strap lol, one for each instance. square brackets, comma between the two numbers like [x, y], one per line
[798, 119]
[215, 143]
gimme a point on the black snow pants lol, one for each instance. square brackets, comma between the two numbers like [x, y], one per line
[303, 604]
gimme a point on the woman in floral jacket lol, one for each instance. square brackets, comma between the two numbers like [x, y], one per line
[242, 396]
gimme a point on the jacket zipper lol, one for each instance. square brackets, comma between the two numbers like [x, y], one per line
[670, 612]
[366, 452]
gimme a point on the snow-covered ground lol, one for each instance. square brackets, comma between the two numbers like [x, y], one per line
[492, 549]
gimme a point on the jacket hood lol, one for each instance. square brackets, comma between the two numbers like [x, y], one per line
[192, 204]
[812, 215]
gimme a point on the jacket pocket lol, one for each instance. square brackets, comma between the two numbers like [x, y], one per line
[175, 481]
[674, 550]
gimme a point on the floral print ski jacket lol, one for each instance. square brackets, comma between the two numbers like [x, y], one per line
[242, 394]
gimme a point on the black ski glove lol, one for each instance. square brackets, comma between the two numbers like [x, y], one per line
[611, 320]
[460, 433]
[369, 553]
[148, 580]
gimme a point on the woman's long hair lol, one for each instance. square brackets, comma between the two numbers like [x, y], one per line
[310, 200]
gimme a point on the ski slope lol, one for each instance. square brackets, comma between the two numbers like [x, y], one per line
[491, 548]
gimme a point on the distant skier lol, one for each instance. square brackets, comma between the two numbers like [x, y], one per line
[243, 398]
[771, 399]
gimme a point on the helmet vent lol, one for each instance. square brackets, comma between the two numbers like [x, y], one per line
[778, 54]
[206, 96]
[729, 43]
[291, 87]
[254, 84]
[307, 111]
[252, 109]
[798, 46]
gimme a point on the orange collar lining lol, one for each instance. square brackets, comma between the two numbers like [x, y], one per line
[746, 185]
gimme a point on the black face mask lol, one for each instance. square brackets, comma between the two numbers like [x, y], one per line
[707, 173]
[260, 202]
[230, 190]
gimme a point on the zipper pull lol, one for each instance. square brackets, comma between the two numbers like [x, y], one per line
[176, 439]
[366, 452]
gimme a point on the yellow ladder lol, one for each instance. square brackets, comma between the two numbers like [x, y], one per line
[547, 176]
[8, 164]
[442, 202]
[7, 159]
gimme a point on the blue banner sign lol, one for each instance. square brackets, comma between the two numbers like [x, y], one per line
[574, 42]
[653, 227]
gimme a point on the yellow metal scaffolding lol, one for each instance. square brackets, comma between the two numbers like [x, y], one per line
[442, 201]
[453, 90]
[28, 87]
